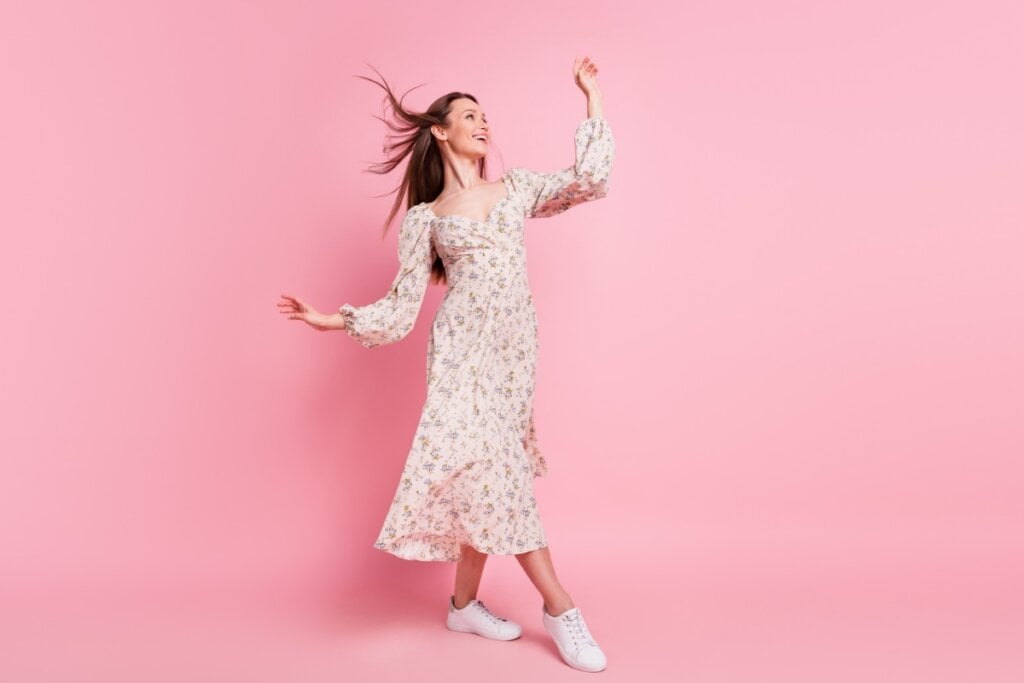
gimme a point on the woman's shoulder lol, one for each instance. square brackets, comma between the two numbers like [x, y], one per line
[423, 208]
[520, 179]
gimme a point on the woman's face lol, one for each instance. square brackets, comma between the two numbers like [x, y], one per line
[467, 132]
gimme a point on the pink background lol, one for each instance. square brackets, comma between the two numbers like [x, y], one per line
[780, 378]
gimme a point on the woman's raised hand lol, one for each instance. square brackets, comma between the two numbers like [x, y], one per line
[297, 309]
[584, 71]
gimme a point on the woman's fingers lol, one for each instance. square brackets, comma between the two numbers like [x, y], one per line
[584, 66]
[294, 307]
[292, 301]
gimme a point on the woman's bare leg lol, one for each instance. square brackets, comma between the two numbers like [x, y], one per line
[537, 565]
[467, 575]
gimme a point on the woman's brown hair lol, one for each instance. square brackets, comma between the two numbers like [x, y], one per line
[424, 175]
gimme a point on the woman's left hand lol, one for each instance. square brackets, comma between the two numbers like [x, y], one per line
[585, 73]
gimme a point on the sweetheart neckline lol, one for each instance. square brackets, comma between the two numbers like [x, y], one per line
[490, 214]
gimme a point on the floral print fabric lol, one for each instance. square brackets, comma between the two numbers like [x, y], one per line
[468, 477]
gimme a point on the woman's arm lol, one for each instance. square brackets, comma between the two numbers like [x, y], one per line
[392, 317]
[548, 194]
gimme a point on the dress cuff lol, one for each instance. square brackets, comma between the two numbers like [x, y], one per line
[348, 315]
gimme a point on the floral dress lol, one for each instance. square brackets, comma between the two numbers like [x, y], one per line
[469, 474]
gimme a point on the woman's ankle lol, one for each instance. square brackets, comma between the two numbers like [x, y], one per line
[557, 608]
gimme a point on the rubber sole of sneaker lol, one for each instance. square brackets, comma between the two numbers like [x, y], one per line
[469, 629]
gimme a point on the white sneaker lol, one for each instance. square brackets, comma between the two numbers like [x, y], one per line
[476, 618]
[577, 647]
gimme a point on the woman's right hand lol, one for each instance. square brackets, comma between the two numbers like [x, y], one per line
[297, 309]
[584, 72]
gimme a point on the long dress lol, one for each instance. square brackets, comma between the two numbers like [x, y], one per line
[468, 477]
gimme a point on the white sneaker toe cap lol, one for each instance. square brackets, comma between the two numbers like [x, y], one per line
[510, 630]
[591, 658]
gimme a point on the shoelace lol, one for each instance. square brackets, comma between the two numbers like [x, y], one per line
[487, 612]
[578, 627]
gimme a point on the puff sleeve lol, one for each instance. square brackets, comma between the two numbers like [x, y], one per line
[392, 317]
[548, 194]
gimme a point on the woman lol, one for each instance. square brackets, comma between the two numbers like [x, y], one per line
[467, 491]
